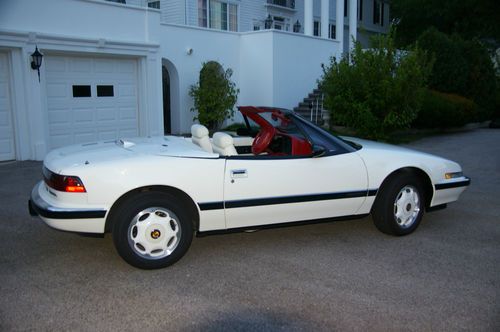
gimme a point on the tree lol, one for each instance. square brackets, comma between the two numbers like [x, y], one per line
[461, 67]
[214, 95]
[470, 19]
[378, 90]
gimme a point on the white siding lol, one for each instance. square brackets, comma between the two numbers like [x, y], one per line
[251, 12]
[173, 11]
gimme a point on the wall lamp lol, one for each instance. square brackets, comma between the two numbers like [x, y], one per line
[297, 26]
[36, 61]
[268, 22]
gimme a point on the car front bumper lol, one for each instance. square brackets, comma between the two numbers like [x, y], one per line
[449, 191]
[86, 220]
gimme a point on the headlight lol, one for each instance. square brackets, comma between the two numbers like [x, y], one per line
[453, 175]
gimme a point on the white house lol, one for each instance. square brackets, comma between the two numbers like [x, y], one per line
[123, 68]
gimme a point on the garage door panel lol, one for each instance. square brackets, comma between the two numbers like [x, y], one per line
[74, 120]
[128, 132]
[126, 90]
[126, 66]
[53, 64]
[59, 116]
[105, 66]
[57, 90]
[107, 114]
[127, 113]
[81, 65]
[83, 115]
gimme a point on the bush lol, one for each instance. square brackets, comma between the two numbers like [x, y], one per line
[461, 67]
[445, 110]
[214, 95]
[375, 91]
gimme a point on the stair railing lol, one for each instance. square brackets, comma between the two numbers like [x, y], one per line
[316, 109]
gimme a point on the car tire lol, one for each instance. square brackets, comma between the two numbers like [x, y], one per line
[152, 230]
[399, 206]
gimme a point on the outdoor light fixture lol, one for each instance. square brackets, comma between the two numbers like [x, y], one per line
[268, 23]
[297, 26]
[36, 61]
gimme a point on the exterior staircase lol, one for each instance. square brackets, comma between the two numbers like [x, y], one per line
[311, 108]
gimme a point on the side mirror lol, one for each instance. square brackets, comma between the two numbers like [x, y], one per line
[318, 151]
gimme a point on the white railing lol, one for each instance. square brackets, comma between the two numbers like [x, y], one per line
[317, 108]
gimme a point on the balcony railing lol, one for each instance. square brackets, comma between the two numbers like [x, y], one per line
[282, 3]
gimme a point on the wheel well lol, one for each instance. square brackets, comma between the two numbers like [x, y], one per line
[184, 199]
[421, 175]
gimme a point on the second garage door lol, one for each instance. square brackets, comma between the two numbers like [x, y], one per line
[90, 99]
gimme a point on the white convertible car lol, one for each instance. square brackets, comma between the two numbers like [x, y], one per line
[154, 193]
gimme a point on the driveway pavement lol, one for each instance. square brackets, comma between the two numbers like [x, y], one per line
[333, 276]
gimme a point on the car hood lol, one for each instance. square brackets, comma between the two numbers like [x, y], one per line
[384, 147]
[108, 151]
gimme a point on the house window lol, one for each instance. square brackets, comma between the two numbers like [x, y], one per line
[256, 27]
[360, 9]
[154, 4]
[81, 91]
[345, 8]
[202, 13]
[279, 23]
[217, 15]
[332, 31]
[378, 12]
[317, 28]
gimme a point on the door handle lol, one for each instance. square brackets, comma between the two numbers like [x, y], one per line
[239, 173]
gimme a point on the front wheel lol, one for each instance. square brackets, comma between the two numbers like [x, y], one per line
[152, 230]
[399, 206]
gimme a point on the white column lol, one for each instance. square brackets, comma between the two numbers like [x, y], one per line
[353, 22]
[339, 24]
[308, 17]
[325, 17]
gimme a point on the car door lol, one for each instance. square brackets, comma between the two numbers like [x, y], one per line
[260, 191]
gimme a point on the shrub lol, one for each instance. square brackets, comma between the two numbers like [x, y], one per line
[214, 95]
[445, 110]
[375, 91]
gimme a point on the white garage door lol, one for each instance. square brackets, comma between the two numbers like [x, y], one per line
[90, 99]
[7, 151]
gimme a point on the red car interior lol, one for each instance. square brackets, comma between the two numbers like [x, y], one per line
[275, 140]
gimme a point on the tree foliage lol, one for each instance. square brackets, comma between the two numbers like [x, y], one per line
[376, 91]
[470, 19]
[214, 95]
[461, 67]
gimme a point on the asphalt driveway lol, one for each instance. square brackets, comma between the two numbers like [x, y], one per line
[333, 276]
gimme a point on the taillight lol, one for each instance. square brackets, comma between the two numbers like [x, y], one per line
[66, 183]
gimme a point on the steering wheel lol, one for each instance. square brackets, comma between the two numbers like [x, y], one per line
[263, 139]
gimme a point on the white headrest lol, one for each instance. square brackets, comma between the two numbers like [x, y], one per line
[222, 140]
[199, 131]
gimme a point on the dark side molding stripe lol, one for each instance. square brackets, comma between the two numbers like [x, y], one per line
[285, 200]
[457, 184]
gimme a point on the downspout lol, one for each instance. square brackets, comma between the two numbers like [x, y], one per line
[186, 12]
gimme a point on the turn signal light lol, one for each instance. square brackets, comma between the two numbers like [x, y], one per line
[454, 175]
[66, 183]
[74, 185]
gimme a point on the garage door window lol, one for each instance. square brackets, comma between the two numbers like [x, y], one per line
[81, 91]
[105, 91]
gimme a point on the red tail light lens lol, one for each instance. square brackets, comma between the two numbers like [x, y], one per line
[66, 183]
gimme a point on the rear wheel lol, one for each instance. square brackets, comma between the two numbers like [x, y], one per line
[399, 206]
[152, 230]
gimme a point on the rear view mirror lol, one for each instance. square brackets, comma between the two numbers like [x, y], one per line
[318, 151]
